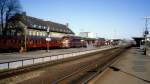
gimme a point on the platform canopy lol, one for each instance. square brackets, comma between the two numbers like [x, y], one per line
[138, 40]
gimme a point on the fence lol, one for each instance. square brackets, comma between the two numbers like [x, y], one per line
[31, 61]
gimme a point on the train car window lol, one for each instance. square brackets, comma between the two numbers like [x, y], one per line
[30, 41]
[19, 41]
[4, 41]
[16, 41]
[38, 41]
[7, 41]
[35, 41]
[12, 41]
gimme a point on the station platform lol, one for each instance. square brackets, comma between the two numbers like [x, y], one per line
[131, 68]
[7, 57]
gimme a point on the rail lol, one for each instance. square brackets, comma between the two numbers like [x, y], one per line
[99, 65]
[31, 61]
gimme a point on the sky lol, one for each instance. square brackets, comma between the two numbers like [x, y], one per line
[107, 18]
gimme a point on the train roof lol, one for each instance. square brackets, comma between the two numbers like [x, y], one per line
[84, 38]
[30, 37]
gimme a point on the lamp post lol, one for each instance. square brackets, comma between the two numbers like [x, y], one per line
[25, 31]
[48, 39]
[82, 43]
[25, 38]
[146, 32]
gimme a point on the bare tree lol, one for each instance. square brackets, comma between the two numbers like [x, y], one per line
[2, 12]
[17, 23]
[8, 8]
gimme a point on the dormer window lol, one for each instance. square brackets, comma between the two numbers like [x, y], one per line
[34, 25]
[48, 29]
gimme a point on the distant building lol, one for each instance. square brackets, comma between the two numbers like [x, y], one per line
[39, 27]
[86, 34]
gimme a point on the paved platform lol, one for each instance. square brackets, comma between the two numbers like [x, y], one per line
[134, 69]
[6, 57]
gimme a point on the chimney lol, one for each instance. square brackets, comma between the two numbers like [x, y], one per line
[67, 24]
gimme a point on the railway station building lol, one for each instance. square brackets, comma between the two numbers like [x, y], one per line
[38, 27]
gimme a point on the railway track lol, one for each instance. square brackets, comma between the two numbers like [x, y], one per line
[90, 69]
[72, 70]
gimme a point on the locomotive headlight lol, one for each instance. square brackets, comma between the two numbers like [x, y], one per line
[65, 41]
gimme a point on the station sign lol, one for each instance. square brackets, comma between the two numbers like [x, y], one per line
[146, 32]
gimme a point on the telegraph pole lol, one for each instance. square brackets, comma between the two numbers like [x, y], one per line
[25, 38]
[146, 32]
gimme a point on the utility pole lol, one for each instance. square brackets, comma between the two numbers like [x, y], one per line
[25, 38]
[25, 31]
[146, 32]
[96, 35]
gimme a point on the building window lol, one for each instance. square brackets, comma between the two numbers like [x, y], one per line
[44, 34]
[40, 33]
[18, 34]
[37, 33]
[30, 33]
[34, 33]
[12, 32]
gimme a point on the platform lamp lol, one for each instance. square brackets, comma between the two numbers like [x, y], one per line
[25, 30]
[82, 41]
[48, 38]
[146, 32]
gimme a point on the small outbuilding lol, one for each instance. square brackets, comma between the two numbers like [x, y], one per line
[138, 41]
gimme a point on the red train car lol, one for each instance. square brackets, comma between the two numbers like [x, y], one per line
[99, 42]
[73, 41]
[32, 42]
